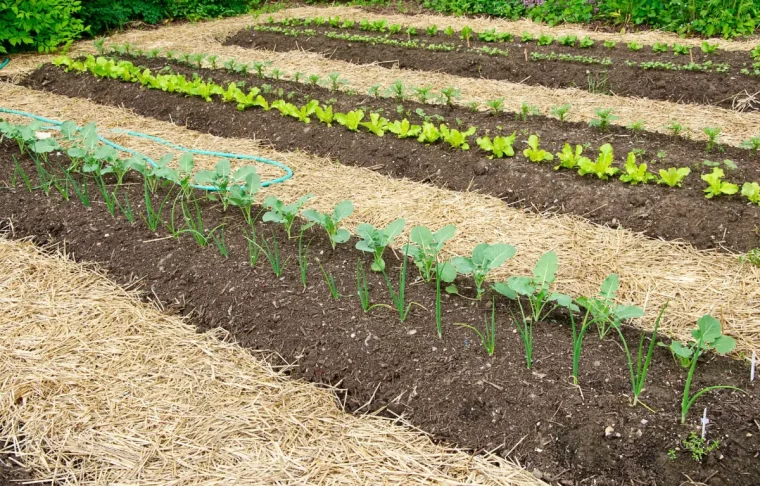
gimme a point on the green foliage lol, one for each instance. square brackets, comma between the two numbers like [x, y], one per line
[698, 446]
[560, 111]
[425, 247]
[603, 120]
[675, 128]
[376, 124]
[484, 258]
[712, 137]
[716, 185]
[586, 42]
[534, 153]
[673, 177]
[610, 44]
[42, 25]
[455, 138]
[330, 222]
[488, 336]
[545, 40]
[636, 173]
[376, 240]
[350, 120]
[660, 47]
[751, 190]
[602, 167]
[604, 312]
[499, 146]
[569, 159]
[680, 50]
[404, 129]
[429, 133]
[708, 48]
[753, 144]
[567, 40]
[635, 46]
[285, 214]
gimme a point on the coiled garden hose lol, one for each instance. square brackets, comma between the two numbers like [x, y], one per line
[56, 125]
[4, 62]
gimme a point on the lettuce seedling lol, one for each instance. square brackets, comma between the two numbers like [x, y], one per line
[636, 173]
[716, 186]
[499, 146]
[708, 336]
[425, 247]
[282, 213]
[673, 177]
[455, 138]
[567, 40]
[376, 124]
[545, 40]
[586, 42]
[635, 46]
[253, 98]
[330, 222]
[484, 258]
[602, 168]
[569, 159]
[660, 47]
[541, 302]
[325, 114]
[680, 49]
[708, 48]
[403, 129]
[301, 114]
[429, 133]
[610, 44]
[533, 153]
[350, 120]
[751, 190]
[376, 240]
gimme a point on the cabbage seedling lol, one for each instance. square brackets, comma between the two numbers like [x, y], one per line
[242, 196]
[279, 212]
[221, 179]
[484, 258]
[499, 146]
[425, 247]
[541, 302]
[673, 177]
[636, 173]
[330, 221]
[602, 168]
[533, 153]
[605, 117]
[707, 336]
[376, 240]
[716, 186]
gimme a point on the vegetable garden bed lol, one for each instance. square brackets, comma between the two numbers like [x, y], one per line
[722, 78]
[449, 386]
[658, 210]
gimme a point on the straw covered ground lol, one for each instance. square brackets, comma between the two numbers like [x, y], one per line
[99, 388]
[206, 37]
[651, 271]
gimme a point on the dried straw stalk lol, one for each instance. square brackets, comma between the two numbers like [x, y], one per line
[652, 271]
[99, 388]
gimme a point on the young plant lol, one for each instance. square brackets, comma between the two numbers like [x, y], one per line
[586, 42]
[527, 37]
[448, 95]
[673, 177]
[610, 44]
[484, 258]
[698, 446]
[675, 128]
[708, 336]
[423, 94]
[285, 214]
[399, 297]
[404, 129]
[330, 222]
[431, 30]
[455, 138]
[635, 46]
[712, 137]
[560, 111]
[751, 190]
[376, 240]
[636, 173]
[496, 106]
[680, 50]
[425, 247]
[708, 48]
[569, 159]
[397, 90]
[466, 34]
[636, 126]
[526, 110]
[545, 40]
[602, 168]
[716, 185]
[350, 120]
[534, 153]
[567, 40]
[660, 47]
[603, 120]
[272, 253]
[325, 114]
[499, 146]
[536, 290]
[330, 281]
[752, 144]
[488, 336]
[429, 133]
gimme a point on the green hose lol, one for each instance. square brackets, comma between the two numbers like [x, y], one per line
[5, 62]
[56, 125]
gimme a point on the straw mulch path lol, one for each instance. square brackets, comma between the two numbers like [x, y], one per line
[651, 271]
[99, 388]
[206, 38]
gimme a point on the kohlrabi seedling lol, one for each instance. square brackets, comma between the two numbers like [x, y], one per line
[282, 213]
[376, 240]
[484, 258]
[330, 222]
[425, 247]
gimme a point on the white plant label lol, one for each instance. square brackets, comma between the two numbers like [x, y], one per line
[705, 421]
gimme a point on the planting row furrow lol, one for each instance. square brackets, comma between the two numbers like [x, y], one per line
[425, 149]
[699, 83]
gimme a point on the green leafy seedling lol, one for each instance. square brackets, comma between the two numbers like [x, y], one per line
[636, 173]
[484, 258]
[425, 247]
[751, 190]
[330, 221]
[602, 167]
[404, 129]
[285, 214]
[455, 138]
[376, 240]
[499, 146]
[534, 153]
[569, 159]
[673, 177]
[716, 185]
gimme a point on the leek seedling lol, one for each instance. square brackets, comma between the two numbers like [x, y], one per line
[221, 241]
[152, 215]
[126, 209]
[488, 336]
[193, 222]
[708, 336]
[330, 281]
[399, 298]
[254, 250]
[444, 272]
[108, 198]
[18, 170]
[80, 190]
[273, 255]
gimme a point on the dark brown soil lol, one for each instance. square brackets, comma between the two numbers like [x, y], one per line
[448, 387]
[11, 474]
[619, 79]
[658, 211]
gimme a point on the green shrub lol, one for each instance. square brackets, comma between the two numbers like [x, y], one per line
[43, 25]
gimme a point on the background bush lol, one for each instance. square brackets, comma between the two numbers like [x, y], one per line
[38, 24]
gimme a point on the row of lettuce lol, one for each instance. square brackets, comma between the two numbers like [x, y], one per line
[570, 158]
[532, 296]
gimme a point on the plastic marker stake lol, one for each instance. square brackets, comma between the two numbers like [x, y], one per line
[752, 369]
[705, 421]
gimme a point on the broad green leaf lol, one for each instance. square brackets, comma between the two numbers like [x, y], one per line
[341, 236]
[463, 265]
[522, 285]
[366, 231]
[724, 344]
[447, 272]
[222, 168]
[343, 210]
[708, 329]
[625, 312]
[680, 350]
[498, 254]
[394, 228]
[422, 236]
[610, 286]
[444, 234]
[504, 289]
[545, 270]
